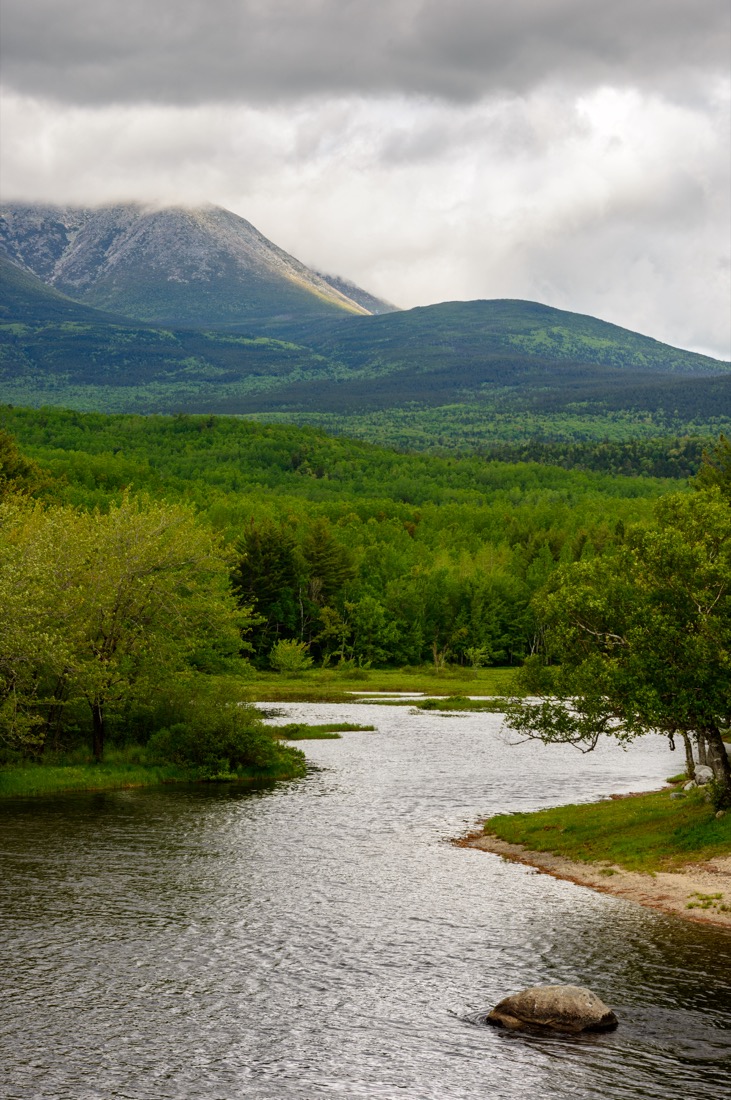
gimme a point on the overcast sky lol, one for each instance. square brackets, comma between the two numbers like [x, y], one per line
[574, 152]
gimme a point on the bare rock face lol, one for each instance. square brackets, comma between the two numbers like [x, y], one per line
[570, 1008]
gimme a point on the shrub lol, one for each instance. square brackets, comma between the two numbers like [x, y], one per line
[222, 738]
[720, 795]
[290, 657]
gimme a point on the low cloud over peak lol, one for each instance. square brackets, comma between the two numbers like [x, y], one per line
[571, 151]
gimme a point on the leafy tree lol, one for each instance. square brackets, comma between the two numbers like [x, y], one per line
[716, 468]
[643, 637]
[290, 656]
[17, 473]
[329, 564]
[268, 577]
[375, 634]
[110, 604]
[34, 652]
[159, 600]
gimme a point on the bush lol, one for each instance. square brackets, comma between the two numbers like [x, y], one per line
[720, 795]
[290, 657]
[222, 738]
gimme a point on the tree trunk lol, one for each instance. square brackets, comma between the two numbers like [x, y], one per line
[98, 729]
[718, 758]
[689, 761]
[702, 750]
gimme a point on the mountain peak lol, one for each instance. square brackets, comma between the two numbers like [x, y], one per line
[177, 265]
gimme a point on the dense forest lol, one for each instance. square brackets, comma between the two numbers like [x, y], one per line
[363, 554]
[141, 552]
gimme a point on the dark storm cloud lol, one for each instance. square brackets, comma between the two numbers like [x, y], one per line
[193, 51]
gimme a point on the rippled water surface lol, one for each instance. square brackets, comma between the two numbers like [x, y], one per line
[323, 938]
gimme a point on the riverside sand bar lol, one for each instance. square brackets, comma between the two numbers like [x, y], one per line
[668, 891]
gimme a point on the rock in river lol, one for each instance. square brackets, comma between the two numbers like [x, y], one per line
[561, 1007]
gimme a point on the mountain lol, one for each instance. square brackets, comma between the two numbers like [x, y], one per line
[174, 266]
[369, 301]
[26, 300]
[453, 374]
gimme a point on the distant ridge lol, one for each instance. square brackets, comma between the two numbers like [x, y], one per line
[133, 310]
[369, 302]
[178, 266]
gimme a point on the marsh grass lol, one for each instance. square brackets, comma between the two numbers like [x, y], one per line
[327, 685]
[300, 731]
[646, 832]
[461, 702]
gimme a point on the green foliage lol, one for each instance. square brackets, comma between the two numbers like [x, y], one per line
[219, 739]
[370, 557]
[461, 702]
[17, 473]
[100, 609]
[720, 795]
[715, 470]
[301, 731]
[290, 657]
[642, 636]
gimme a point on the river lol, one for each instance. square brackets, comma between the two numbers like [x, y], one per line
[322, 938]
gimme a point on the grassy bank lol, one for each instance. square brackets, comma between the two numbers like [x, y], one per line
[647, 832]
[301, 731]
[324, 685]
[123, 768]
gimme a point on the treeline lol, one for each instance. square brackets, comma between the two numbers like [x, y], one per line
[666, 457]
[356, 553]
[480, 427]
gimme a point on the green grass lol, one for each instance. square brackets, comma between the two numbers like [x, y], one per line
[31, 779]
[647, 832]
[123, 768]
[300, 731]
[331, 686]
[460, 702]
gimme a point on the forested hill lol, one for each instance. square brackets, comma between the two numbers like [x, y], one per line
[459, 375]
[425, 336]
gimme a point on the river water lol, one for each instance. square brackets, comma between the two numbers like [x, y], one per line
[322, 938]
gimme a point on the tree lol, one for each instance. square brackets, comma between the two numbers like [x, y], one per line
[17, 473]
[290, 656]
[109, 605]
[716, 468]
[268, 577]
[34, 653]
[329, 564]
[154, 598]
[641, 637]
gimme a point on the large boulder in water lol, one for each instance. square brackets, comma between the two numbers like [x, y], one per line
[560, 1007]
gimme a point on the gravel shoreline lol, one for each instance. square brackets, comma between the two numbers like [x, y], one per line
[668, 891]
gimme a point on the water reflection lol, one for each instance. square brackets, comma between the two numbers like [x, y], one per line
[321, 938]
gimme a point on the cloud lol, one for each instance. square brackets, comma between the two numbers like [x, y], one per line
[195, 51]
[580, 201]
[569, 151]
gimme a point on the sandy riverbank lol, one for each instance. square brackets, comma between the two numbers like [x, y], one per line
[670, 892]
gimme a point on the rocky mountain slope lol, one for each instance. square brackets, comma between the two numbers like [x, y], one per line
[126, 309]
[176, 266]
